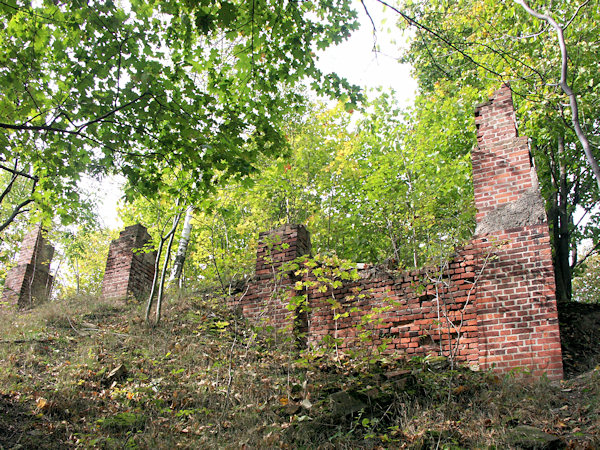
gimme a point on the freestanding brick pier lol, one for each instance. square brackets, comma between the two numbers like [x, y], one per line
[29, 282]
[129, 270]
[491, 306]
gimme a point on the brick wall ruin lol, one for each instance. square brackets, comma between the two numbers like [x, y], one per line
[129, 271]
[492, 306]
[29, 282]
[262, 299]
[517, 315]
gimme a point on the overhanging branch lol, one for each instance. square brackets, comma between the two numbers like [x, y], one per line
[16, 211]
[566, 87]
[78, 131]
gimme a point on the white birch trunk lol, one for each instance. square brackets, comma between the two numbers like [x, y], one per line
[183, 245]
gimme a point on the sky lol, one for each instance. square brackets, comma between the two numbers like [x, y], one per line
[355, 60]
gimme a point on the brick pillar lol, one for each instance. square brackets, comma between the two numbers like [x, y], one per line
[278, 246]
[29, 282]
[265, 301]
[129, 271]
[516, 303]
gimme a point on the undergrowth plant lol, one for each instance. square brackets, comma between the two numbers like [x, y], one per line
[450, 325]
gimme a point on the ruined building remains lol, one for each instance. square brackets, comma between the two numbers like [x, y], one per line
[129, 268]
[29, 282]
[492, 306]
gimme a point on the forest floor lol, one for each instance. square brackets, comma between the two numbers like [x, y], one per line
[90, 374]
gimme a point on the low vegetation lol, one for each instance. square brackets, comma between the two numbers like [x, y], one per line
[87, 373]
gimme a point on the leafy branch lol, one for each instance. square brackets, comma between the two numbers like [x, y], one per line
[565, 85]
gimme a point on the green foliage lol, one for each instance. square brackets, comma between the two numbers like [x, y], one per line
[83, 260]
[157, 213]
[124, 421]
[586, 284]
[475, 46]
[382, 188]
[418, 178]
[194, 91]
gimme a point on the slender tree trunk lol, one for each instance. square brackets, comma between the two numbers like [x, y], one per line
[76, 276]
[182, 248]
[560, 219]
[163, 274]
[214, 254]
[163, 239]
[593, 163]
[154, 280]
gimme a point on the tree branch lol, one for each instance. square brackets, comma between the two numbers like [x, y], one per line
[8, 188]
[590, 253]
[450, 44]
[18, 173]
[110, 113]
[18, 210]
[76, 132]
[567, 88]
[576, 13]
[10, 126]
[373, 25]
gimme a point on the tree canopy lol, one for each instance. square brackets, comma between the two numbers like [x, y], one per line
[184, 98]
[478, 44]
[383, 187]
[185, 91]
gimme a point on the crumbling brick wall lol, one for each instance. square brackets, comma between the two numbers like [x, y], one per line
[516, 301]
[29, 282]
[129, 270]
[413, 312]
[265, 299]
[492, 306]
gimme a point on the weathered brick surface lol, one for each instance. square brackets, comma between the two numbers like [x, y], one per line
[129, 271]
[29, 282]
[414, 312]
[501, 163]
[264, 300]
[516, 305]
[492, 306]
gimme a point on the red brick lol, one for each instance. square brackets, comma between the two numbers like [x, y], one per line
[508, 319]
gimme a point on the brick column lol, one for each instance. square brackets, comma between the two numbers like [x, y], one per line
[129, 271]
[279, 246]
[265, 300]
[29, 282]
[516, 303]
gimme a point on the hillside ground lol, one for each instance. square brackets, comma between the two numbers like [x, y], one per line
[87, 373]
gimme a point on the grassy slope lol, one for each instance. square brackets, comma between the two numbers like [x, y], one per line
[87, 373]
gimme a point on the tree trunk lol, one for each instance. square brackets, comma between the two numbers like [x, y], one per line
[560, 220]
[587, 149]
[154, 280]
[163, 239]
[163, 274]
[182, 248]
